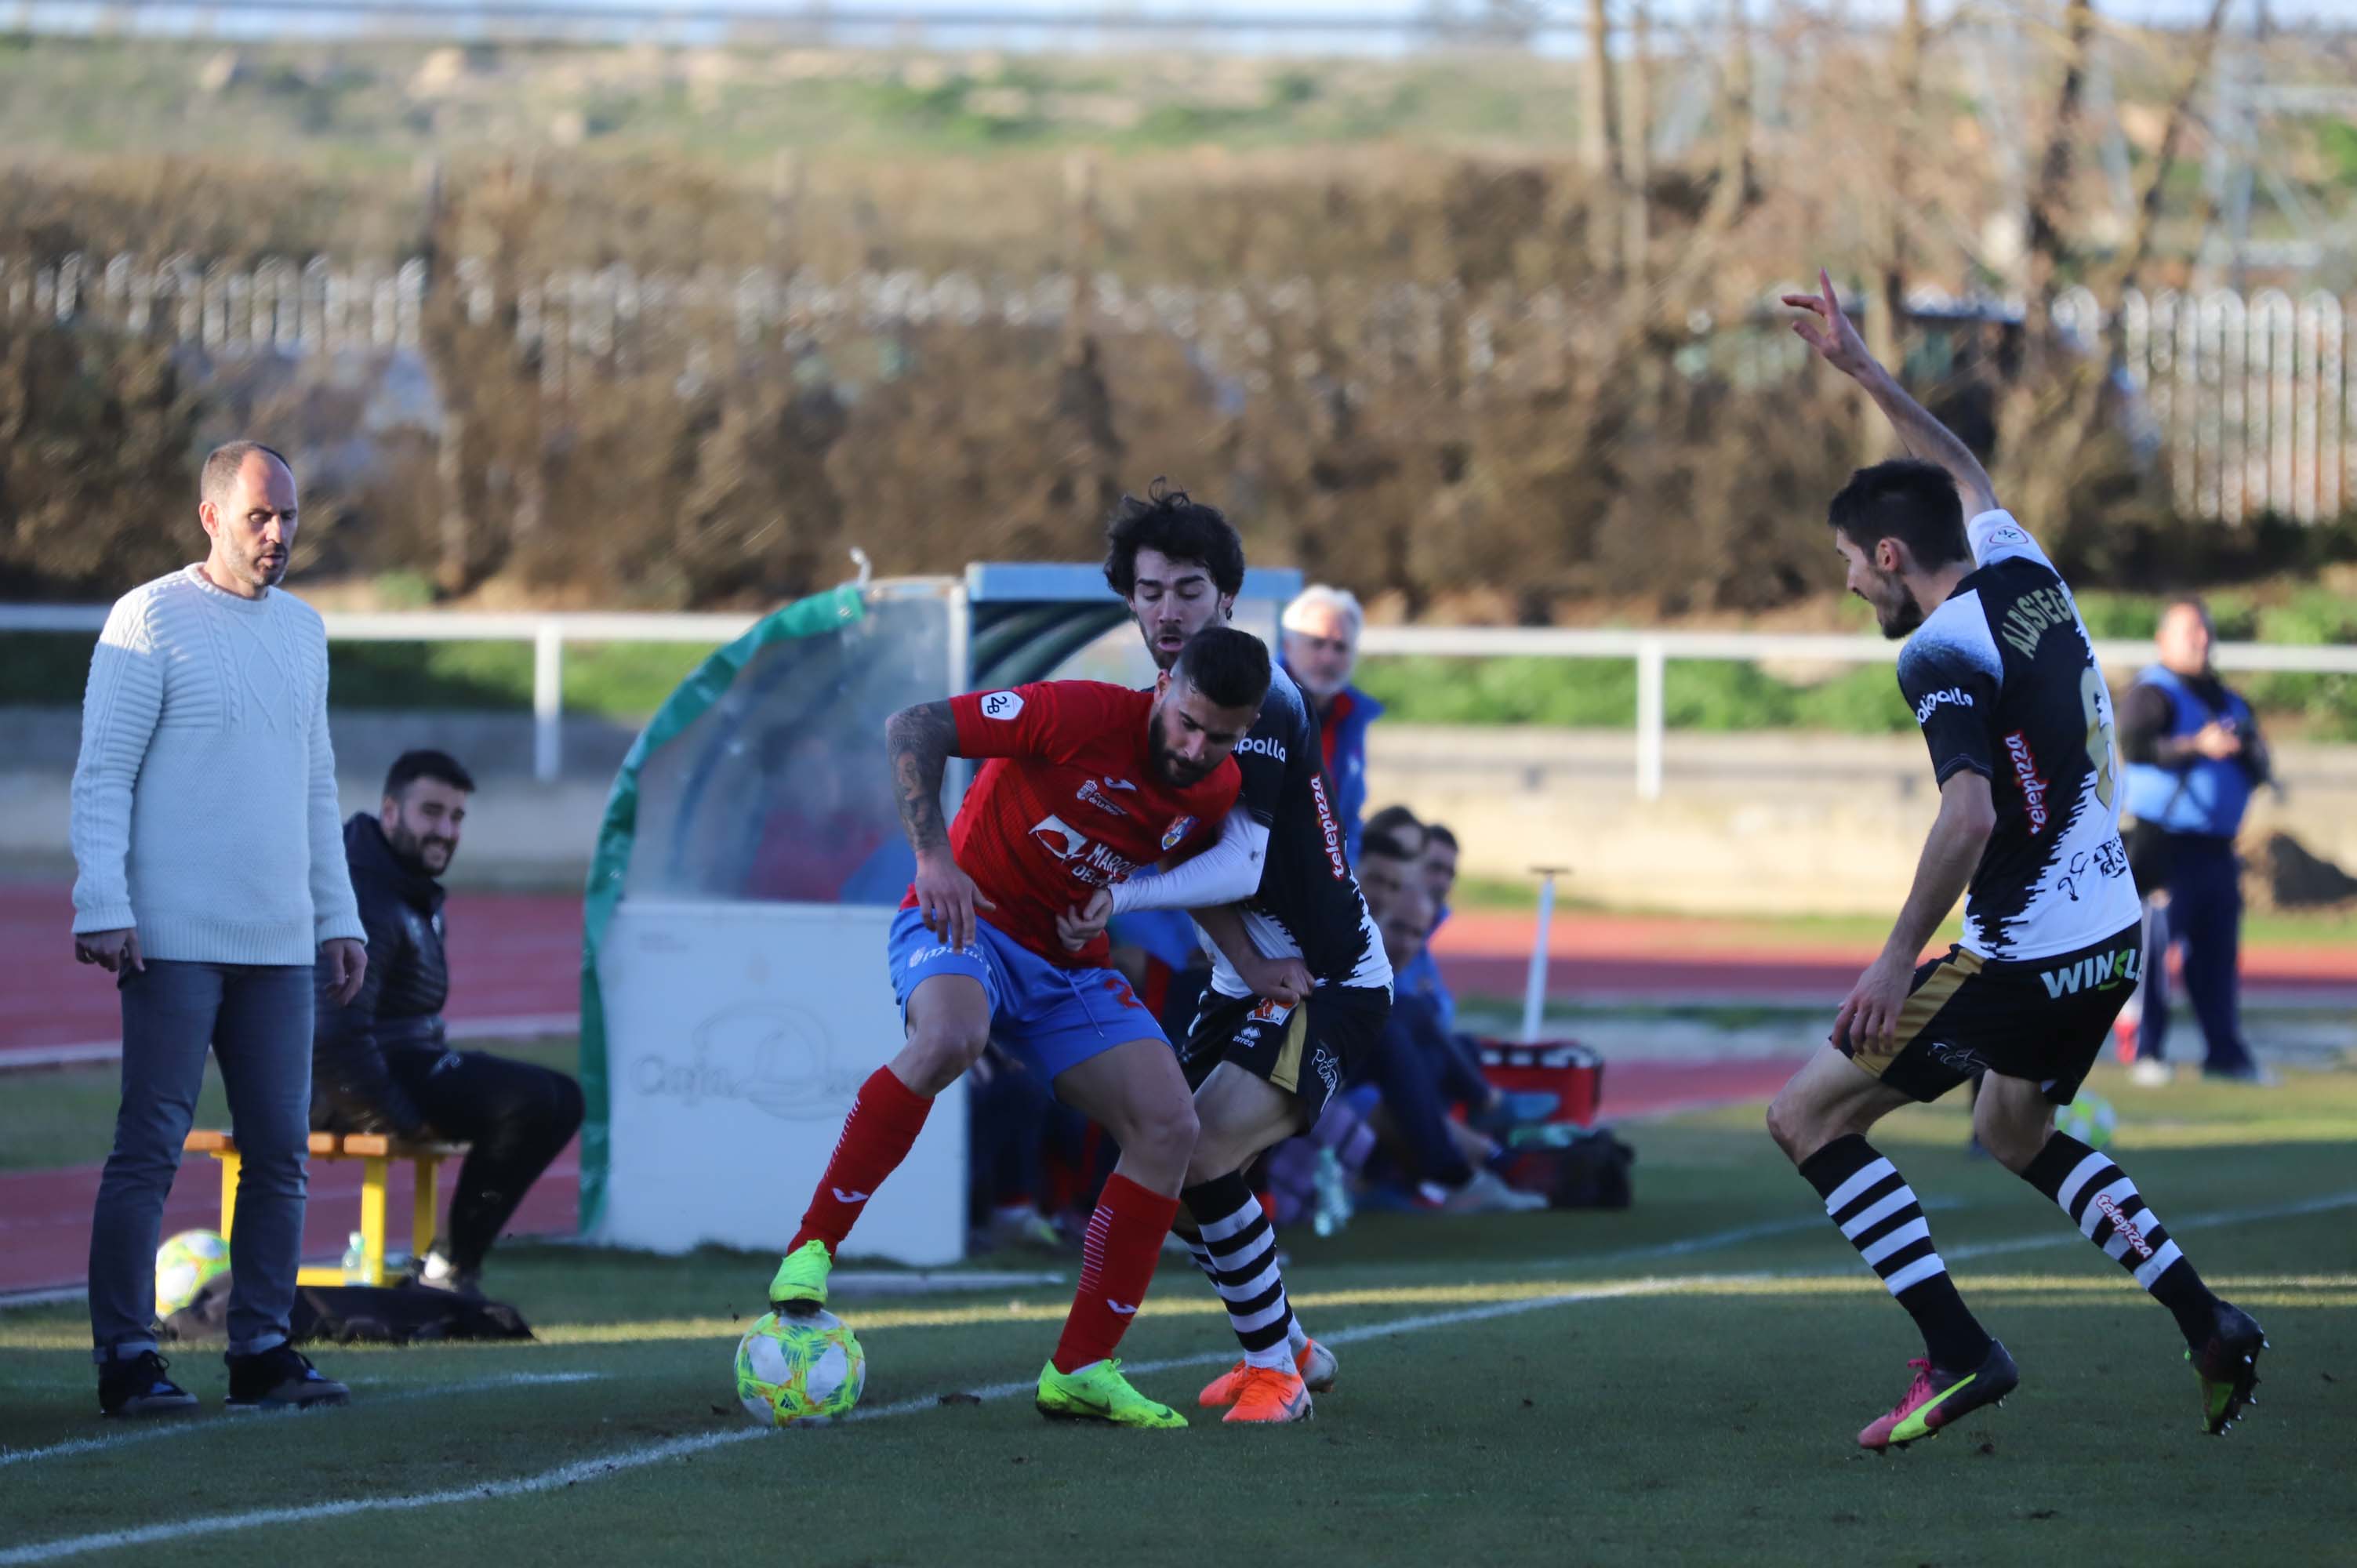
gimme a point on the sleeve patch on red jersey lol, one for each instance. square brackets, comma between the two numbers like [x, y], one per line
[1002, 705]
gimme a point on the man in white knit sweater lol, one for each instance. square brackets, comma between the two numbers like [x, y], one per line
[211, 858]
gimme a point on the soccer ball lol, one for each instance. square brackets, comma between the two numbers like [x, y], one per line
[799, 1372]
[185, 1265]
[2089, 1119]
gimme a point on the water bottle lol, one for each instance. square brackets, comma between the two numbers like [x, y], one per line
[1333, 1194]
[356, 1268]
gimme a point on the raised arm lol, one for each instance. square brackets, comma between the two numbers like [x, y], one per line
[920, 741]
[1828, 329]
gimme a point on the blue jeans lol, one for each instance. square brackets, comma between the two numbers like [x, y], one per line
[257, 1018]
[2205, 913]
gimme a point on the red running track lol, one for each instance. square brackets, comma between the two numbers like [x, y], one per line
[513, 955]
[519, 955]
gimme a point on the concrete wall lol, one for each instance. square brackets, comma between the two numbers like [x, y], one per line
[1776, 822]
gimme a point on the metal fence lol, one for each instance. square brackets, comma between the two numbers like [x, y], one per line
[2246, 401]
[1652, 651]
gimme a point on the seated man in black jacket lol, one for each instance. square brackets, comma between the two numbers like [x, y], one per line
[383, 1064]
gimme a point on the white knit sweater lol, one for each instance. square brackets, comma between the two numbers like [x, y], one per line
[204, 803]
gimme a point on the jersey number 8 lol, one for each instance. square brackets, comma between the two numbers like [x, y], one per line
[2100, 753]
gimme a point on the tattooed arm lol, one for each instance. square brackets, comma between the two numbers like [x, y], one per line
[920, 741]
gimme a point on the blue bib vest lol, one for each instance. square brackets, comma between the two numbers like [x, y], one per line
[2202, 795]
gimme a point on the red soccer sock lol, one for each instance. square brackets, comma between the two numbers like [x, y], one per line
[876, 1136]
[1124, 1242]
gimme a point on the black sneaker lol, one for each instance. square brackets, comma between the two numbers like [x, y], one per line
[138, 1387]
[2227, 1363]
[280, 1378]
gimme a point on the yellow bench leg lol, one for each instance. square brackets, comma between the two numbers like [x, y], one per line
[229, 1164]
[372, 1198]
[423, 1212]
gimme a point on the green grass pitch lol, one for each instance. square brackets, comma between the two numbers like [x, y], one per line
[1680, 1382]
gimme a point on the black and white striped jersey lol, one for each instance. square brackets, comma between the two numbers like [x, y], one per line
[2004, 681]
[1309, 905]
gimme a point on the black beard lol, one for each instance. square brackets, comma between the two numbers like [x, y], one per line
[1901, 619]
[410, 850]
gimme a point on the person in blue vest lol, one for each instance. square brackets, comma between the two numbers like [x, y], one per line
[1321, 652]
[2194, 755]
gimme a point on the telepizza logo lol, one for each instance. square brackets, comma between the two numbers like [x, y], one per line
[2025, 771]
[1328, 828]
[1177, 832]
[1002, 705]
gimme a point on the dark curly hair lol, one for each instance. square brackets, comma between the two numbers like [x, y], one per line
[1180, 527]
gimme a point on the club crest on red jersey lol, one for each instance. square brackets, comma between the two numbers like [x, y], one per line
[1177, 832]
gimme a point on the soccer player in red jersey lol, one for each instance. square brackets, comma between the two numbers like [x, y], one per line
[1084, 784]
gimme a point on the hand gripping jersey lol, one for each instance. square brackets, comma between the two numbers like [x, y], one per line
[1069, 801]
[2003, 680]
[1308, 905]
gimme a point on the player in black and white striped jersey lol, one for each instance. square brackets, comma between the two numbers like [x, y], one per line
[2003, 680]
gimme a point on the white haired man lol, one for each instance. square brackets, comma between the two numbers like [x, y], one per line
[1321, 652]
[212, 875]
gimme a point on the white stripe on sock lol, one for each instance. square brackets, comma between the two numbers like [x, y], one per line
[1846, 1194]
[1248, 1256]
[1914, 1230]
[1916, 1272]
[1876, 1212]
[2158, 1264]
[2119, 1192]
[1257, 1320]
[1221, 1228]
[2081, 1174]
[1253, 1288]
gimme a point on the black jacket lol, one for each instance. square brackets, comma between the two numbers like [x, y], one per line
[400, 1002]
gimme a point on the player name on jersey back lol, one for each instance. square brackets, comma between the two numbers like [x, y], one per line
[2003, 679]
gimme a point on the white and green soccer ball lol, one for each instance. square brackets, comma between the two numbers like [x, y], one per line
[2089, 1119]
[799, 1372]
[185, 1265]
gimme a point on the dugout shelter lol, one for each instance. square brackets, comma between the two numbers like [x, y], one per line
[734, 991]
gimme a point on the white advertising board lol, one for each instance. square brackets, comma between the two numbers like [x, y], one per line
[737, 1037]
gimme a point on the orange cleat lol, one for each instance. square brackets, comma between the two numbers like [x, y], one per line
[1271, 1395]
[1313, 1361]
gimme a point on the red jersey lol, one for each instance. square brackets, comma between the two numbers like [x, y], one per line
[1069, 801]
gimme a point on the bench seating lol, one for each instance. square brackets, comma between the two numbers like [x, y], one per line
[376, 1152]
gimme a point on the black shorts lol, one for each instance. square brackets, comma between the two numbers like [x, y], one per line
[2040, 1019]
[1309, 1051]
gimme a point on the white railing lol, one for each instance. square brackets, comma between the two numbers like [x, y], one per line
[548, 634]
[1652, 651]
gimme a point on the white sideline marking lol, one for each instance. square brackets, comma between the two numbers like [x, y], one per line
[682, 1447]
[193, 1421]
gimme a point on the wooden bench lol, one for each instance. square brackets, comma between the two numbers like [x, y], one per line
[376, 1152]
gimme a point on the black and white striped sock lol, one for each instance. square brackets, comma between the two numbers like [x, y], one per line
[1876, 1212]
[1236, 1249]
[2108, 1210]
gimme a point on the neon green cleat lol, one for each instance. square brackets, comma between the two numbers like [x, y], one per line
[799, 1286]
[1100, 1392]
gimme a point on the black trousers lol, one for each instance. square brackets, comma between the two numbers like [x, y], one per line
[513, 1116]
